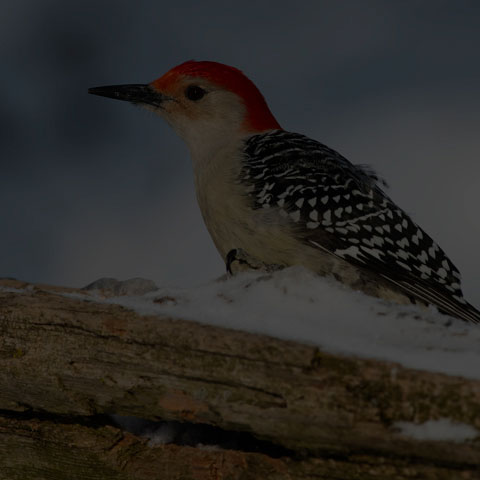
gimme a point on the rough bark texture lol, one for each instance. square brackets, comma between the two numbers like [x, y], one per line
[64, 361]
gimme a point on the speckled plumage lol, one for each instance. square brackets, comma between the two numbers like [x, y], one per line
[339, 207]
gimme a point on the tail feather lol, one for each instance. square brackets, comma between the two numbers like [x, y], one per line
[443, 301]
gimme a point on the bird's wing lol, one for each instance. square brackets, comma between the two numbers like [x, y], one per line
[338, 207]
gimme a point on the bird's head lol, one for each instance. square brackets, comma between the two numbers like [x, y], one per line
[205, 102]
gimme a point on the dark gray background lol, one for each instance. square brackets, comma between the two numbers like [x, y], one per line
[92, 187]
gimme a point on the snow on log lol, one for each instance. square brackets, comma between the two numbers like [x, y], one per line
[69, 361]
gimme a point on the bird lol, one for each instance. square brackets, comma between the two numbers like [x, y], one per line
[271, 198]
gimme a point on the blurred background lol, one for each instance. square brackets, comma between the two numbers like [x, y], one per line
[92, 187]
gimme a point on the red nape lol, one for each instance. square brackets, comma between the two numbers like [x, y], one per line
[259, 117]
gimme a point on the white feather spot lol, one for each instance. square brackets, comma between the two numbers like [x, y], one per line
[404, 265]
[442, 272]
[398, 227]
[312, 225]
[378, 240]
[423, 257]
[426, 270]
[314, 215]
[324, 199]
[403, 242]
[336, 198]
[338, 212]
[299, 202]
[295, 216]
[351, 251]
[313, 201]
[327, 216]
[374, 252]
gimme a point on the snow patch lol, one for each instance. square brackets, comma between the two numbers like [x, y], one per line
[28, 288]
[438, 430]
[296, 304]
[113, 287]
[158, 433]
[163, 434]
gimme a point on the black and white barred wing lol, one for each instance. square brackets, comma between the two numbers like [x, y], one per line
[339, 207]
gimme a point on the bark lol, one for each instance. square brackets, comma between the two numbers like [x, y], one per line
[66, 362]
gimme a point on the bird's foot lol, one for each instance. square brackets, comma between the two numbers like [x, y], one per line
[238, 260]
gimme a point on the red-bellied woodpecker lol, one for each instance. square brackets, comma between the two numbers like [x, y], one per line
[272, 197]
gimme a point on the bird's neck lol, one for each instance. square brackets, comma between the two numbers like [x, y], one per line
[213, 162]
[210, 149]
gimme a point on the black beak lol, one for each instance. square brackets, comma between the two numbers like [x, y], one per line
[136, 93]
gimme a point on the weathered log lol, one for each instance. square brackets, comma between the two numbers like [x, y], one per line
[39, 449]
[74, 358]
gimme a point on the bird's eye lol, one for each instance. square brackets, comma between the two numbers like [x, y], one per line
[193, 92]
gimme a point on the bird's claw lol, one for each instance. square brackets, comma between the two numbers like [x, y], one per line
[238, 260]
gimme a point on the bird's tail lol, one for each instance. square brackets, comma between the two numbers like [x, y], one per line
[443, 301]
[466, 312]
